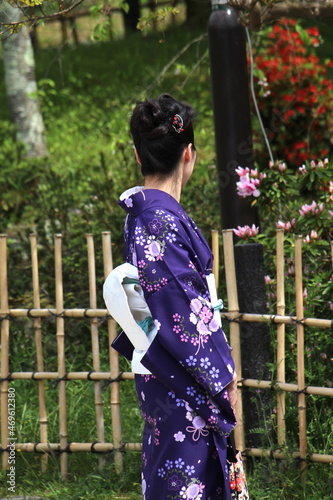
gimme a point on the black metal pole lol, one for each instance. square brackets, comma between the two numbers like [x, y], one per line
[232, 120]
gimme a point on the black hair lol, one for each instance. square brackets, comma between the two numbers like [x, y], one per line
[158, 144]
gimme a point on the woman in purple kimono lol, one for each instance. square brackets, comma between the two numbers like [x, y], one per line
[185, 377]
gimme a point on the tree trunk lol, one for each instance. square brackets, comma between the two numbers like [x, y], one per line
[21, 87]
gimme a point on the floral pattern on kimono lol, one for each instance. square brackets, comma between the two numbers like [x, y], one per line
[189, 358]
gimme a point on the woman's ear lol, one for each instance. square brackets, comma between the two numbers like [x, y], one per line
[137, 156]
[188, 153]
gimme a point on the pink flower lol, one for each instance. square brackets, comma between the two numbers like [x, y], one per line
[246, 231]
[302, 169]
[330, 213]
[242, 171]
[179, 436]
[248, 187]
[307, 209]
[205, 314]
[268, 280]
[305, 293]
[286, 225]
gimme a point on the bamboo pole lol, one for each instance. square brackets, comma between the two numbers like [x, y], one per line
[4, 352]
[233, 307]
[271, 318]
[114, 362]
[95, 344]
[280, 355]
[107, 447]
[76, 447]
[39, 347]
[300, 353]
[103, 313]
[248, 382]
[61, 355]
[70, 376]
[216, 259]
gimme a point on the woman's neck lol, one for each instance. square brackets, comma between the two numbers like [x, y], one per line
[171, 185]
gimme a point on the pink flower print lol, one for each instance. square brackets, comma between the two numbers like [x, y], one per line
[213, 325]
[202, 328]
[184, 337]
[155, 226]
[154, 250]
[141, 264]
[176, 317]
[179, 436]
[177, 328]
[198, 428]
[205, 314]
[192, 492]
[195, 306]
[164, 281]
[174, 483]
[191, 265]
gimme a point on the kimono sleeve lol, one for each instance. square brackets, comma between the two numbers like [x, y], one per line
[177, 295]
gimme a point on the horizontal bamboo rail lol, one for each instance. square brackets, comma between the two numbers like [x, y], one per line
[109, 447]
[103, 313]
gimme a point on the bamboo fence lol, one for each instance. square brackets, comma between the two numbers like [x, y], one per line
[36, 314]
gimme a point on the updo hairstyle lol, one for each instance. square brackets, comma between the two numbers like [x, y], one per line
[158, 144]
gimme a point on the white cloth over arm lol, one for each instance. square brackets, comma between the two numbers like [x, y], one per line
[126, 304]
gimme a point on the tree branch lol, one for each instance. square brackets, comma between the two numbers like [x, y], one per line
[35, 19]
[299, 9]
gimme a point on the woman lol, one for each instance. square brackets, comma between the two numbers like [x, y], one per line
[185, 378]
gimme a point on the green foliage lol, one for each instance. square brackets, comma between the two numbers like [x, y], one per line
[296, 92]
[87, 94]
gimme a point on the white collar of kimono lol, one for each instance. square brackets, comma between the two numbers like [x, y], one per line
[130, 192]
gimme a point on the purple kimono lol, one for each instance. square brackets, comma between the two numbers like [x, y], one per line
[184, 402]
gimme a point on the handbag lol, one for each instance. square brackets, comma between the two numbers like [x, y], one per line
[237, 478]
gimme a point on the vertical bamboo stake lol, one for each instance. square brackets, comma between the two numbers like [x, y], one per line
[39, 347]
[114, 362]
[95, 344]
[61, 354]
[215, 252]
[4, 349]
[233, 308]
[280, 356]
[300, 352]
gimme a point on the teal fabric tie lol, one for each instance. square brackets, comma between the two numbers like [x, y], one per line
[219, 305]
[130, 281]
[147, 324]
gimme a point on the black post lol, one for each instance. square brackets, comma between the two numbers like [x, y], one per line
[255, 343]
[233, 138]
[230, 88]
